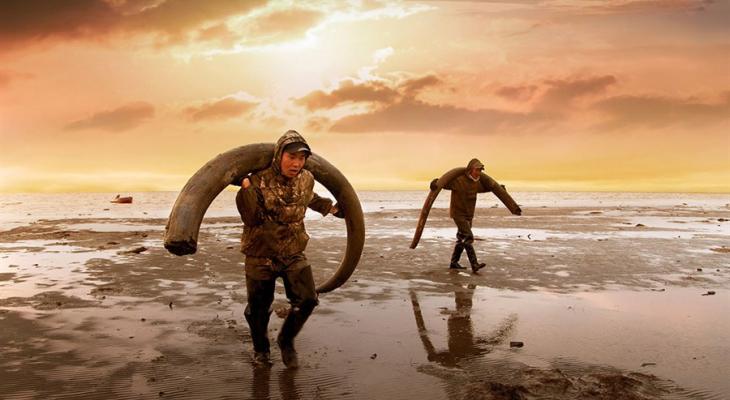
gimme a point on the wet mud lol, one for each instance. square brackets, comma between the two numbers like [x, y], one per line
[604, 309]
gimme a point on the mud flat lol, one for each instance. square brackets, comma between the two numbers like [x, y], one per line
[578, 303]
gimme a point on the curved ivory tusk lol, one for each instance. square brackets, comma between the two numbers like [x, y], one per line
[444, 180]
[440, 183]
[183, 225]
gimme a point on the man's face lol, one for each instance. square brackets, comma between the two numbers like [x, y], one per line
[292, 163]
[475, 172]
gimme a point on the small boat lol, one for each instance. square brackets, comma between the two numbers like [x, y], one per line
[122, 200]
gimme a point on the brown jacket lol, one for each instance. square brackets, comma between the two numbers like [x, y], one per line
[464, 191]
[273, 208]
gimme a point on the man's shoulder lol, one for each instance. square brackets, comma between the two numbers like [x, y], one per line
[306, 174]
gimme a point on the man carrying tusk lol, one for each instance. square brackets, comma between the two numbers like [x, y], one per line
[464, 191]
[272, 204]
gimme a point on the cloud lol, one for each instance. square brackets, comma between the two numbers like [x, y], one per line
[7, 77]
[120, 119]
[284, 24]
[517, 93]
[27, 21]
[412, 87]
[410, 115]
[660, 112]
[641, 6]
[229, 107]
[349, 92]
[564, 91]
[375, 92]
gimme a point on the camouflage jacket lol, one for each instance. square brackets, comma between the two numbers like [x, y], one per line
[274, 206]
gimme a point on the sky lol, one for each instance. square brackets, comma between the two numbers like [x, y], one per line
[551, 95]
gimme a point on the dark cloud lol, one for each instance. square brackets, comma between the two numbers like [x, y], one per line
[517, 93]
[222, 109]
[410, 115]
[24, 21]
[660, 112]
[349, 92]
[120, 119]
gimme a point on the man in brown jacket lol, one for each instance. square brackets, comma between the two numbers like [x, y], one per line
[272, 204]
[464, 191]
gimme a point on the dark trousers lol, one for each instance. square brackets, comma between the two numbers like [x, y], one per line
[261, 275]
[464, 241]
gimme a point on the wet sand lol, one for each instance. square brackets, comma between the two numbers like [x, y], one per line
[607, 302]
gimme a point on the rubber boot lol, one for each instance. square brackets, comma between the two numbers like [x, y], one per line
[475, 265]
[258, 325]
[289, 330]
[455, 256]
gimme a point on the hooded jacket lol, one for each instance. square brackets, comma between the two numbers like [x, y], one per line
[274, 206]
[464, 191]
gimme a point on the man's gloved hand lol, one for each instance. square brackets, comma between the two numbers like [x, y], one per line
[337, 211]
[433, 184]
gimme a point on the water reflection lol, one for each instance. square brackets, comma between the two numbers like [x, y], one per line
[462, 343]
[260, 386]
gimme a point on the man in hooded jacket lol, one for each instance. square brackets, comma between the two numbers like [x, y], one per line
[272, 203]
[464, 190]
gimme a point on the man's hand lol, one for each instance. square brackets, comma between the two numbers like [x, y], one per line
[245, 183]
[433, 186]
[335, 210]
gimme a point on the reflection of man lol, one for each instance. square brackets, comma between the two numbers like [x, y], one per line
[464, 191]
[461, 341]
[272, 204]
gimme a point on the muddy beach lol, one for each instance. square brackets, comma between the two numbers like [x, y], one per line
[579, 302]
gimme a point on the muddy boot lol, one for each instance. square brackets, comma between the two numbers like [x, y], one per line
[258, 327]
[475, 265]
[261, 359]
[289, 330]
[455, 256]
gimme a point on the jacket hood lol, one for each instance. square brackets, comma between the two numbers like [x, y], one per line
[474, 163]
[291, 136]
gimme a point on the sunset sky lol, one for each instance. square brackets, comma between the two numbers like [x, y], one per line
[136, 95]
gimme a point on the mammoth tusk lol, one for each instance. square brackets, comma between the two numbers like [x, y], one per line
[183, 225]
[440, 183]
[444, 180]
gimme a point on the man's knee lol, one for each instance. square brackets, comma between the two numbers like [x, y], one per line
[306, 304]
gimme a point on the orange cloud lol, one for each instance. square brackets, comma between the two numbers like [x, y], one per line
[120, 119]
[6, 77]
[376, 92]
[562, 92]
[517, 93]
[410, 115]
[349, 92]
[284, 25]
[659, 112]
[222, 109]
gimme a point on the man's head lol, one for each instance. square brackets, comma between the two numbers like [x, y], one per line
[293, 158]
[474, 168]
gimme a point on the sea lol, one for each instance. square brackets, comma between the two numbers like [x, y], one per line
[25, 208]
